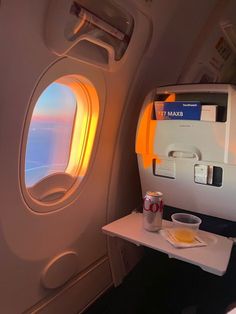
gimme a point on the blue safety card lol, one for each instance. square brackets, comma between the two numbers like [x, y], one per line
[178, 110]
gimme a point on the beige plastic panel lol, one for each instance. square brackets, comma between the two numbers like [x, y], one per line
[79, 293]
[60, 269]
[213, 258]
[183, 192]
[204, 140]
[187, 143]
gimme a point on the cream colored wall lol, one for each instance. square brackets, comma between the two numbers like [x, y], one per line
[29, 241]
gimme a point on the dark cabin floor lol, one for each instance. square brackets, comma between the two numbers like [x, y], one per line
[167, 286]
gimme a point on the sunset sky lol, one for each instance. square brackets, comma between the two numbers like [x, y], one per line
[56, 102]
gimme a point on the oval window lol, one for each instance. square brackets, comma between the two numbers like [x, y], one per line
[60, 137]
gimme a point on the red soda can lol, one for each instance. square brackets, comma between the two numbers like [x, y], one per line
[152, 211]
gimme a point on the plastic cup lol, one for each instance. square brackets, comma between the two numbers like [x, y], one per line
[185, 226]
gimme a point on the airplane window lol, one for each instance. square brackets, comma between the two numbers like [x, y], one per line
[49, 138]
[60, 139]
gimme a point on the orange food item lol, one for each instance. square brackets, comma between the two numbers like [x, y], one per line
[184, 234]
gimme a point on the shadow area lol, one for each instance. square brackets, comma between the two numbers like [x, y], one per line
[160, 285]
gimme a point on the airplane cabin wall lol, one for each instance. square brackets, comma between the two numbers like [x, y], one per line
[31, 240]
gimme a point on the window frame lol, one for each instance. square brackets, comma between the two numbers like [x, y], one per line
[91, 92]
